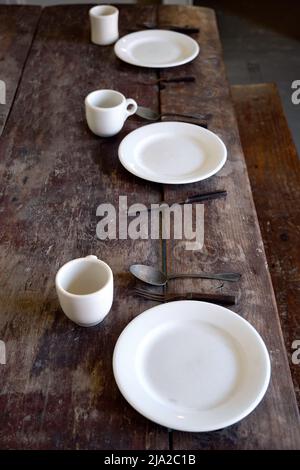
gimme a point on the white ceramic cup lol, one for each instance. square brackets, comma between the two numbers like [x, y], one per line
[85, 290]
[104, 24]
[107, 110]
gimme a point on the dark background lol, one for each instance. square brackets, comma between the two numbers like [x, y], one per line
[261, 43]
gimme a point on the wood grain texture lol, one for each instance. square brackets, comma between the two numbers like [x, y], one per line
[17, 28]
[274, 172]
[232, 242]
[57, 389]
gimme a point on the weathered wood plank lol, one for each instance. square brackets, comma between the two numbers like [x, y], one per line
[58, 386]
[58, 389]
[274, 170]
[17, 28]
[232, 242]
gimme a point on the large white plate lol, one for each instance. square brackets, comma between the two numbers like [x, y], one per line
[156, 48]
[191, 366]
[172, 153]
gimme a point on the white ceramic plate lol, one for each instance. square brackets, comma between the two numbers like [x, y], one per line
[156, 48]
[191, 366]
[172, 153]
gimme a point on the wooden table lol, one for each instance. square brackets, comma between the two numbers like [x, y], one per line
[17, 29]
[57, 388]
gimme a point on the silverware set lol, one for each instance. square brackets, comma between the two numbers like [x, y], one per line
[155, 277]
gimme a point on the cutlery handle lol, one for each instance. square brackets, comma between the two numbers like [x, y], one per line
[213, 298]
[206, 196]
[179, 29]
[183, 29]
[231, 277]
[188, 79]
[177, 79]
[183, 115]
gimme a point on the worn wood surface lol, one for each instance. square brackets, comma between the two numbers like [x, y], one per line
[274, 173]
[232, 242]
[58, 389]
[17, 28]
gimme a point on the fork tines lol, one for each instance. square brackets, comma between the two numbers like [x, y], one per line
[148, 294]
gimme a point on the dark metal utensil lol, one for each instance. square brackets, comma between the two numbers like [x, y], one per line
[177, 28]
[155, 277]
[151, 115]
[189, 200]
[187, 79]
[205, 196]
[169, 297]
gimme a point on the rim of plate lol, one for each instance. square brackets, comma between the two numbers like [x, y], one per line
[172, 181]
[185, 428]
[128, 60]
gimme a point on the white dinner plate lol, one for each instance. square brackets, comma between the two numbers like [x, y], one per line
[156, 48]
[172, 153]
[191, 366]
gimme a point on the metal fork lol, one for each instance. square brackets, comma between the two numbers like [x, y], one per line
[222, 299]
[179, 29]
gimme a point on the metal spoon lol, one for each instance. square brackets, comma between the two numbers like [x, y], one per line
[150, 115]
[155, 277]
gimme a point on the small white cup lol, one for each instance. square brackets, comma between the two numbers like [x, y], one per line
[85, 290]
[107, 110]
[104, 24]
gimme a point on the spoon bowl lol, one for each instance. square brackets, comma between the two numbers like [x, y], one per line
[148, 274]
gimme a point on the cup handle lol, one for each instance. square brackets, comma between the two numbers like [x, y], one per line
[91, 257]
[133, 107]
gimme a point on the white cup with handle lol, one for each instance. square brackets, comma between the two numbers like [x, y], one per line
[85, 290]
[107, 110]
[104, 24]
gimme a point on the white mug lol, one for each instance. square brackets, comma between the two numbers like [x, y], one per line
[107, 110]
[85, 290]
[104, 24]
